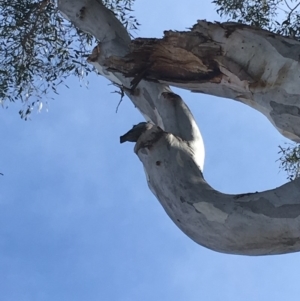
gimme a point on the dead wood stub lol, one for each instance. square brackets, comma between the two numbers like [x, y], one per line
[178, 57]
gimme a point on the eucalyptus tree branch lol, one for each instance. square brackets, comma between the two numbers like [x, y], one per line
[229, 60]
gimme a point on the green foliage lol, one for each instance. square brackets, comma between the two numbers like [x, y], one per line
[279, 16]
[39, 49]
[122, 9]
[290, 160]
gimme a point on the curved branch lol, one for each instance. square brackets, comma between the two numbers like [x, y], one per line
[171, 147]
[250, 224]
[155, 101]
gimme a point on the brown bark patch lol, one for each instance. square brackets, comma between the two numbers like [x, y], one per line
[178, 57]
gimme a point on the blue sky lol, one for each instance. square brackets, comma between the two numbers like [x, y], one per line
[78, 222]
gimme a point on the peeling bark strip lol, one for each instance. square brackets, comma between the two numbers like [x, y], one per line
[178, 57]
[229, 60]
[175, 58]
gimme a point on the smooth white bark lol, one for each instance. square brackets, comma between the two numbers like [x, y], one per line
[258, 223]
[172, 150]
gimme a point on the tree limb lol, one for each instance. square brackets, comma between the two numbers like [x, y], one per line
[170, 146]
[231, 60]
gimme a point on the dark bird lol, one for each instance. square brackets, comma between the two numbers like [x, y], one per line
[134, 134]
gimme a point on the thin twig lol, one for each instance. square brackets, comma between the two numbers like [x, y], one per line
[121, 92]
[289, 15]
[287, 5]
